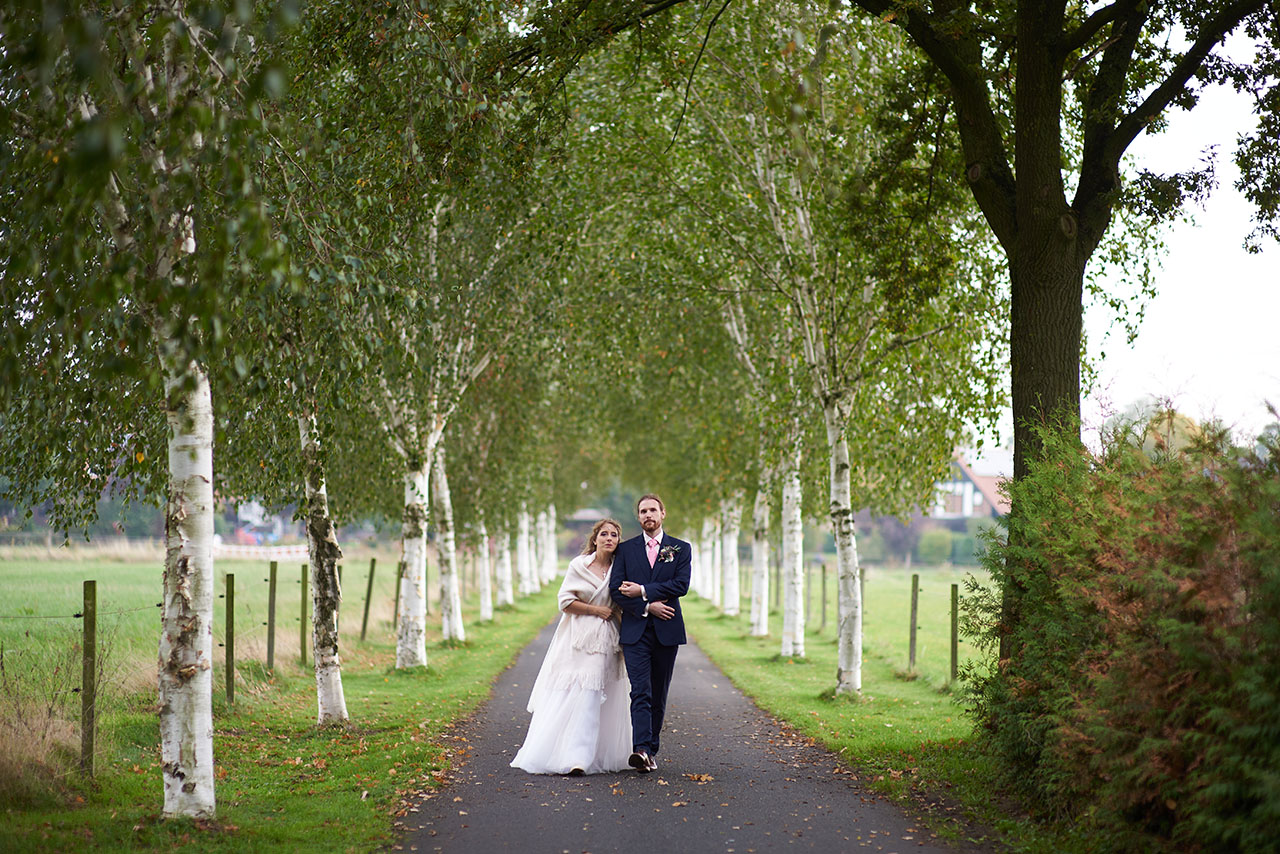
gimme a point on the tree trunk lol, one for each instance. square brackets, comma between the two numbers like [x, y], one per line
[450, 596]
[1046, 315]
[524, 554]
[326, 593]
[849, 592]
[505, 593]
[792, 557]
[760, 564]
[550, 548]
[717, 564]
[707, 549]
[186, 620]
[697, 574]
[483, 570]
[730, 528]
[411, 641]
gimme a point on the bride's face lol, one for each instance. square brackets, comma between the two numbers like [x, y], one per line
[607, 540]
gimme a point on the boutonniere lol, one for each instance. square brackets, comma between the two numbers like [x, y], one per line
[666, 554]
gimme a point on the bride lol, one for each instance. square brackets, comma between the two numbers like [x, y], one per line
[581, 711]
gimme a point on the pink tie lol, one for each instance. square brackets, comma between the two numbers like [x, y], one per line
[653, 553]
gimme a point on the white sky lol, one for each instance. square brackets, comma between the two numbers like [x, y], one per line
[1210, 339]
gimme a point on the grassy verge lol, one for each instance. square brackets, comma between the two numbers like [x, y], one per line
[282, 782]
[907, 736]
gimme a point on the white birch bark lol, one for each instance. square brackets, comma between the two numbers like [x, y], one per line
[540, 554]
[760, 563]
[730, 528]
[484, 587]
[550, 548]
[326, 592]
[524, 555]
[506, 595]
[849, 601]
[411, 640]
[447, 547]
[696, 582]
[708, 561]
[792, 558]
[535, 549]
[186, 620]
[717, 565]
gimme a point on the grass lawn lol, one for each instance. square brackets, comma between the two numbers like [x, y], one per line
[282, 783]
[907, 737]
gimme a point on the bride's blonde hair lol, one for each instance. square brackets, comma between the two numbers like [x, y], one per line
[589, 546]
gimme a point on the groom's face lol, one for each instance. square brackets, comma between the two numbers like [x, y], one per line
[650, 514]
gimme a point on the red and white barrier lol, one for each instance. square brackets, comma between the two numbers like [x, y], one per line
[280, 553]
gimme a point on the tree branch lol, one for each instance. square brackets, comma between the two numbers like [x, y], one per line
[1083, 34]
[989, 172]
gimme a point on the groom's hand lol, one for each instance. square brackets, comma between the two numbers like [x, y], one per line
[661, 610]
[630, 589]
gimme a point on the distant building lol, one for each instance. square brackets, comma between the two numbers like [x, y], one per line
[966, 495]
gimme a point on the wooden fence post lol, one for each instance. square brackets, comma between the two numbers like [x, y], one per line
[231, 638]
[955, 632]
[302, 620]
[915, 612]
[368, 595]
[89, 681]
[271, 619]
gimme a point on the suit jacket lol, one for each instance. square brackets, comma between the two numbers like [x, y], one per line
[667, 579]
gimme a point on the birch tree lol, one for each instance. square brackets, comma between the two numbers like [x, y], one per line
[730, 529]
[450, 594]
[140, 230]
[873, 297]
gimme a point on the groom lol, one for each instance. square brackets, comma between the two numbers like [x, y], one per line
[650, 574]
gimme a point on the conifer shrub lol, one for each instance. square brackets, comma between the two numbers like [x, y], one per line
[1143, 688]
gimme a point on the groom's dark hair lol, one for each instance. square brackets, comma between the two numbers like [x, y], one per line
[647, 495]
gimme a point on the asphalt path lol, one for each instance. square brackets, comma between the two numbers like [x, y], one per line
[730, 779]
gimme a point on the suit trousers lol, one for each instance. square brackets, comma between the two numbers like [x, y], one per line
[649, 667]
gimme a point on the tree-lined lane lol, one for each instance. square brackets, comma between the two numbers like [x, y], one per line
[729, 779]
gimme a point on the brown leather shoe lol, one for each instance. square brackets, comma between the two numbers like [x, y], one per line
[640, 761]
[651, 764]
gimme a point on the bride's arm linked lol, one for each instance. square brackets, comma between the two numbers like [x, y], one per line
[580, 608]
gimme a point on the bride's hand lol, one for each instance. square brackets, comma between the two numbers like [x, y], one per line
[603, 612]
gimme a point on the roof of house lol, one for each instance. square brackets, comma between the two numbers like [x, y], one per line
[988, 485]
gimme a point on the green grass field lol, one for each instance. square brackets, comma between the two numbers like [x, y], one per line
[282, 783]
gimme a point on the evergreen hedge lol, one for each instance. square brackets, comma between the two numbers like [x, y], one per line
[1144, 691]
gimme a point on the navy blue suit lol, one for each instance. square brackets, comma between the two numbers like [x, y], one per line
[649, 644]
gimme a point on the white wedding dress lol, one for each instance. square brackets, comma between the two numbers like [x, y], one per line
[581, 699]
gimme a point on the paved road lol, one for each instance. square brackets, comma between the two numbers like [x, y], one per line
[730, 780]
